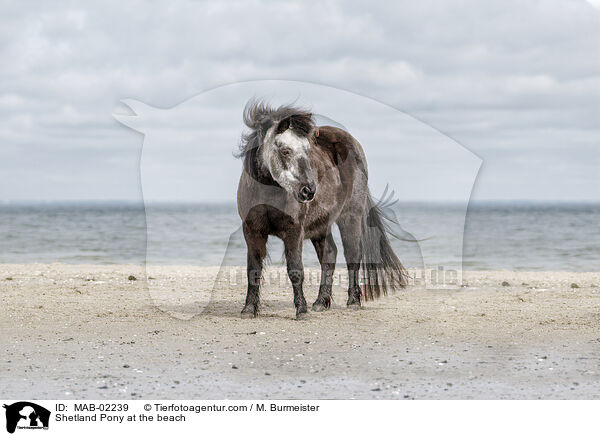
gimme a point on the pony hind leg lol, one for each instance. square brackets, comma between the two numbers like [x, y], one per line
[327, 254]
[351, 231]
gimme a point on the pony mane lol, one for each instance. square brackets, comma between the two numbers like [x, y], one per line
[259, 117]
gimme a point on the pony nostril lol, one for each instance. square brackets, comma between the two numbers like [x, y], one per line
[307, 193]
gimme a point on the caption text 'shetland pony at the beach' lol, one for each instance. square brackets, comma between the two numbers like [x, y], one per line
[298, 180]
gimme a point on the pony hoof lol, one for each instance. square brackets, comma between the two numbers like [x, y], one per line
[248, 312]
[353, 306]
[301, 316]
[319, 307]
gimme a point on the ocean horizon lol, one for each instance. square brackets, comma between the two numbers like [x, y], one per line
[511, 235]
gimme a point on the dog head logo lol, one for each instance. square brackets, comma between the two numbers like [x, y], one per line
[187, 157]
[26, 415]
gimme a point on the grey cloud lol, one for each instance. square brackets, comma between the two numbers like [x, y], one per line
[513, 81]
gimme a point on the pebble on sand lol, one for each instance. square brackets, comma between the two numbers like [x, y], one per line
[131, 278]
[574, 286]
[505, 283]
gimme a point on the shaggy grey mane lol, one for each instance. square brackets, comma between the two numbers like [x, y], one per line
[259, 117]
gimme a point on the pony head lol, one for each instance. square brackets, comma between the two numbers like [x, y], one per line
[279, 146]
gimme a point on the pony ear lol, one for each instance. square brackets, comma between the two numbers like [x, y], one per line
[283, 125]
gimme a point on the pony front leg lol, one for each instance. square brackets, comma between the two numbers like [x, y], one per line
[327, 254]
[257, 250]
[295, 270]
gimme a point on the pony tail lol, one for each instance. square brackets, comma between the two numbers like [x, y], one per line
[381, 268]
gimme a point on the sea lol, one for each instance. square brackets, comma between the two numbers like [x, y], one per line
[518, 236]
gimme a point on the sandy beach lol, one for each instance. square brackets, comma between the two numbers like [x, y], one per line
[91, 332]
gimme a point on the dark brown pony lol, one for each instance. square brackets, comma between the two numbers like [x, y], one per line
[298, 180]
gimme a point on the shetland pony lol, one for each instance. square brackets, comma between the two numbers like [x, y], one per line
[297, 181]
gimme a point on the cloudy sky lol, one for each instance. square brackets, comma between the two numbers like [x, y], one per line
[515, 82]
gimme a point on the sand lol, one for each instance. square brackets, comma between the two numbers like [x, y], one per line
[89, 332]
